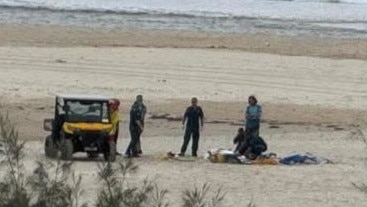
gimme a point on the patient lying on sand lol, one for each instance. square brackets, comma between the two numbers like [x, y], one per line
[227, 156]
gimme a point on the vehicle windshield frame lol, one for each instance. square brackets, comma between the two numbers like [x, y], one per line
[102, 117]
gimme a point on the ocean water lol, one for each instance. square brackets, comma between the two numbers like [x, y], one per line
[337, 18]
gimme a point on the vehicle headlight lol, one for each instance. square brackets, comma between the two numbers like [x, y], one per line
[69, 128]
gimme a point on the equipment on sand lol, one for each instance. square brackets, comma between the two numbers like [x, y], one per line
[81, 124]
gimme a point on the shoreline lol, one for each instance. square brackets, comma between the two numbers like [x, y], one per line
[66, 36]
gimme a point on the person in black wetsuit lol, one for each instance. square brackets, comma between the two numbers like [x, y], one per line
[136, 127]
[194, 119]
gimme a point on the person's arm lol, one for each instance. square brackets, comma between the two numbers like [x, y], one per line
[139, 121]
[259, 112]
[144, 112]
[247, 115]
[134, 118]
[236, 139]
[201, 115]
[185, 116]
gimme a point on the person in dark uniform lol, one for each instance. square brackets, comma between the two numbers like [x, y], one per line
[136, 127]
[253, 147]
[194, 119]
[240, 138]
[139, 105]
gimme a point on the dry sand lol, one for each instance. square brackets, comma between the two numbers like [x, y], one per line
[310, 105]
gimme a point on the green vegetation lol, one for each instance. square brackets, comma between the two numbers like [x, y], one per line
[53, 183]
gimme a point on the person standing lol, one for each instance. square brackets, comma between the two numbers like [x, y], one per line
[253, 115]
[115, 119]
[139, 105]
[194, 119]
[136, 127]
[114, 113]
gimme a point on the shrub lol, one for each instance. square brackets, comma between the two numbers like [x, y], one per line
[54, 184]
[198, 197]
[58, 189]
[13, 186]
[61, 188]
[118, 192]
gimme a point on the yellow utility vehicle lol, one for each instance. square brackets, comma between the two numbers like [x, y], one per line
[81, 124]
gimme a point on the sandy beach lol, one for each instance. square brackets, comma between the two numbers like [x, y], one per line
[69, 36]
[313, 93]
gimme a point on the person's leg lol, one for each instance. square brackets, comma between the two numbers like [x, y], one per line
[243, 148]
[252, 131]
[249, 155]
[257, 150]
[131, 149]
[238, 147]
[128, 151]
[256, 130]
[138, 144]
[195, 143]
[138, 147]
[186, 141]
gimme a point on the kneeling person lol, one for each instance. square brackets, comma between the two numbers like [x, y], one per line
[253, 147]
[240, 139]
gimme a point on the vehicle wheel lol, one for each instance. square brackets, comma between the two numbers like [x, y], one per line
[50, 147]
[110, 155]
[67, 149]
[92, 155]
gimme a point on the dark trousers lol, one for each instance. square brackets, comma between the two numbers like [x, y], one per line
[195, 141]
[135, 139]
[258, 149]
[138, 147]
[252, 152]
[253, 130]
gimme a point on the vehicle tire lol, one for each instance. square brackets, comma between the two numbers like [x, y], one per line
[67, 149]
[50, 147]
[110, 155]
[92, 155]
